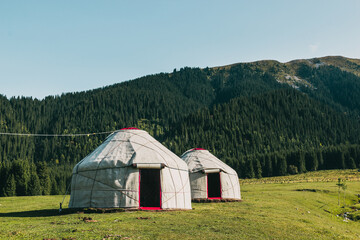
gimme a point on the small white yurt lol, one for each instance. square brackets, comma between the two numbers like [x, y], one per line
[210, 178]
[131, 169]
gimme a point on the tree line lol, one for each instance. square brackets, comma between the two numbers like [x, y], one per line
[241, 114]
[24, 178]
[298, 161]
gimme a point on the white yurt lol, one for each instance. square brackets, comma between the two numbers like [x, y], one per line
[131, 169]
[210, 178]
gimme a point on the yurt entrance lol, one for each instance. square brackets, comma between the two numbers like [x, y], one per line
[150, 189]
[213, 185]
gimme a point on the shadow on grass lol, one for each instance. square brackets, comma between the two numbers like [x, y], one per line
[55, 212]
[38, 213]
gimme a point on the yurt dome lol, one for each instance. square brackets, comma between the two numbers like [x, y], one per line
[210, 178]
[131, 169]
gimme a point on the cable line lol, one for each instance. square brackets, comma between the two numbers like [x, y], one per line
[54, 135]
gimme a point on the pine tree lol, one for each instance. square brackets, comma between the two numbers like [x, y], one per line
[341, 156]
[320, 159]
[54, 187]
[21, 171]
[300, 162]
[34, 188]
[282, 165]
[10, 186]
[351, 163]
[249, 169]
[3, 178]
[258, 170]
[311, 161]
[44, 177]
[268, 166]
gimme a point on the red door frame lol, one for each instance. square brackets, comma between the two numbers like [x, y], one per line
[207, 187]
[150, 208]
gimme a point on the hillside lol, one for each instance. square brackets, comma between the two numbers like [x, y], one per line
[249, 114]
[332, 80]
[268, 130]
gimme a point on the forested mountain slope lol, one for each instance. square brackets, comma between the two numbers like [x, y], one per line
[281, 122]
[241, 112]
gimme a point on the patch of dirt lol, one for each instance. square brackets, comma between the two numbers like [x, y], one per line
[110, 236]
[58, 223]
[88, 219]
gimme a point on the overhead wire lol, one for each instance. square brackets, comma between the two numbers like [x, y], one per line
[53, 135]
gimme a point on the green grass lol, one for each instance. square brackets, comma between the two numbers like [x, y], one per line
[317, 176]
[280, 210]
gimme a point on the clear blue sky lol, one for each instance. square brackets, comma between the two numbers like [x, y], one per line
[52, 47]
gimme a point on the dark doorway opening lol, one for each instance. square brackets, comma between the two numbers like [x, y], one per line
[150, 189]
[214, 185]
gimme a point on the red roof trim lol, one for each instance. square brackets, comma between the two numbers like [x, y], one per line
[130, 128]
[197, 149]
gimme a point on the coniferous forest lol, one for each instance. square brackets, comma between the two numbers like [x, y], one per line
[263, 119]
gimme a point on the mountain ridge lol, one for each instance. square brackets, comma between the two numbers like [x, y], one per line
[351, 65]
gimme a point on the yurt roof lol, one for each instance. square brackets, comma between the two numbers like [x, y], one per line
[199, 159]
[126, 147]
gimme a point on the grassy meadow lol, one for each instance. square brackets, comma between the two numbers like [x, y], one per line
[302, 206]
